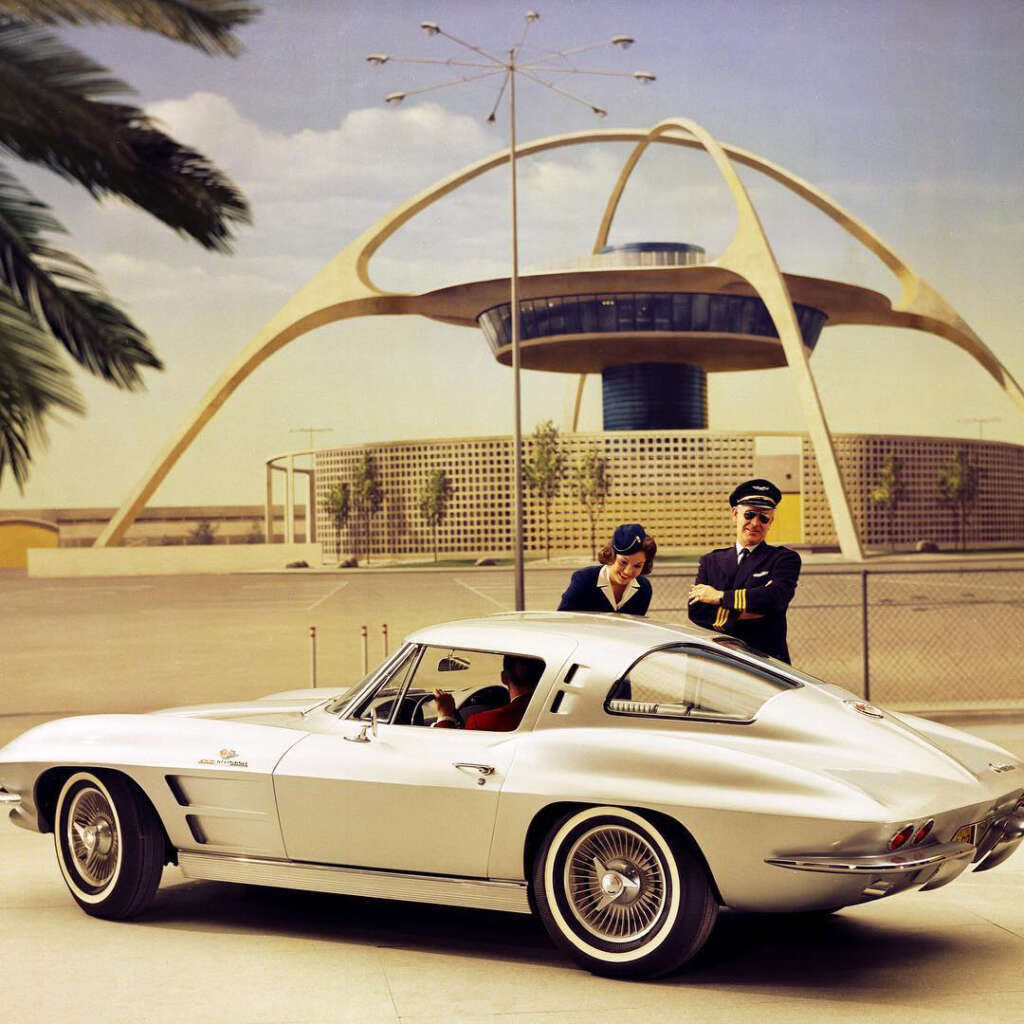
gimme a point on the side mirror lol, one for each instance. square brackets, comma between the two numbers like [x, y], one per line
[452, 663]
[365, 728]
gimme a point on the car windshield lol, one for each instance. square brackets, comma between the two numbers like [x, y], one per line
[688, 682]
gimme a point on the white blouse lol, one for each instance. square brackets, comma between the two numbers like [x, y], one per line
[604, 584]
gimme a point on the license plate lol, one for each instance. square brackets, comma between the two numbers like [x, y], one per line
[968, 833]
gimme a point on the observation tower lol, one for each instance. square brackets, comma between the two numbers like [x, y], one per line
[653, 349]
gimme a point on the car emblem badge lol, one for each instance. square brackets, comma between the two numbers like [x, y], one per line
[865, 708]
[1001, 767]
[226, 756]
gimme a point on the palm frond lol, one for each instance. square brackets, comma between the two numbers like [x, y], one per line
[204, 24]
[34, 383]
[62, 294]
[50, 114]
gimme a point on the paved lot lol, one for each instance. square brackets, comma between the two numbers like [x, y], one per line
[135, 644]
[212, 952]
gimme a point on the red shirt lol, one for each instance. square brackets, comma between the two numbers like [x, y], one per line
[503, 719]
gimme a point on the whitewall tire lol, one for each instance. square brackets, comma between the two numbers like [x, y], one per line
[619, 895]
[109, 843]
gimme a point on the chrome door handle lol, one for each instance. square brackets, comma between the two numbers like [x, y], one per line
[479, 769]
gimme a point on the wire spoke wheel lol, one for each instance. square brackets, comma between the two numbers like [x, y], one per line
[615, 882]
[92, 836]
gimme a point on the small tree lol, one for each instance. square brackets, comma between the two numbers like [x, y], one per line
[888, 492]
[958, 487]
[434, 501]
[202, 533]
[368, 495]
[544, 471]
[592, 483]
[339, 507]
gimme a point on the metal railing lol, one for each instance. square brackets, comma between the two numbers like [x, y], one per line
[923, 637]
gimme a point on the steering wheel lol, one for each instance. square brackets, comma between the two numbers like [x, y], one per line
[419, 712]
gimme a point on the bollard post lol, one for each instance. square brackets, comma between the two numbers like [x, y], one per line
[312, 655]
[384, 635]
[864, 633]
[362, 633]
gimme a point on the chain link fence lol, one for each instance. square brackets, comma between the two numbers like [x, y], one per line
[924, 638]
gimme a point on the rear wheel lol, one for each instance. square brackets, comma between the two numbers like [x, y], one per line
[110, 845]
[619, 895]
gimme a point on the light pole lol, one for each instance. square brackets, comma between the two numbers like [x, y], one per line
[552, 62]
[311, 431]
[981, 421]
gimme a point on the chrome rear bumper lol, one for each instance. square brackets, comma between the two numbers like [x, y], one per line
[880, 864]
[925, 868]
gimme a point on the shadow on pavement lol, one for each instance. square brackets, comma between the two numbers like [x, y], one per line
[802, 952]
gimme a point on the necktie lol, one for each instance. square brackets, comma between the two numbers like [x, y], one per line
[744, 552]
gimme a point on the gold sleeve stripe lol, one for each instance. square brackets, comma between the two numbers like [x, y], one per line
[739, 600]
[721, 618]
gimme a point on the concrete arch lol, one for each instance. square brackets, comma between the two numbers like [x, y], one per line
[344, 288]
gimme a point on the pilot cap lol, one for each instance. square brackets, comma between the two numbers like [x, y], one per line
[628, 539]
[759, 493]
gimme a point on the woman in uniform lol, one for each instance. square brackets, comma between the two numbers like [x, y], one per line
[617, 584]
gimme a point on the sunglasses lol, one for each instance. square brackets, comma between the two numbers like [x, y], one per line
[749, 514]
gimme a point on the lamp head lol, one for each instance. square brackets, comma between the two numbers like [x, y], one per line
[644, 77]
[394, 97]
[600, 111]
[430, 27]
[532, 16]
[377, 58]
[625, 42]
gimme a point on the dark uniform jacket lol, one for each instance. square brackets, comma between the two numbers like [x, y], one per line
[765, 585]
[584, 595]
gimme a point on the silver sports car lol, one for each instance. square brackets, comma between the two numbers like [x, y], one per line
[659, 772]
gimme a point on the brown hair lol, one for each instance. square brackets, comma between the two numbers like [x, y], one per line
[649, 547]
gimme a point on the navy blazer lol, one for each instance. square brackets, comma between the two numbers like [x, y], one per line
[765, 585]
[584, 595]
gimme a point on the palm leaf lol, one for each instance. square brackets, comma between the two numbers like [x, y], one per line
[40, 278]
[50, 114]
[204, 24]
[34, 383]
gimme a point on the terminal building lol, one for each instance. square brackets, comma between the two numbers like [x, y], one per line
[676, 482]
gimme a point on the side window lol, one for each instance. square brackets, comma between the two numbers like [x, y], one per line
[478, 681]
[682, 682]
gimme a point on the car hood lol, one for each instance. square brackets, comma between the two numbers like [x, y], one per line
[286, 710]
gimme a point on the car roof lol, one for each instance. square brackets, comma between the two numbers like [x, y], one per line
[621, 636]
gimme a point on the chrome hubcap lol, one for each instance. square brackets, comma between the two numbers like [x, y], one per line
[615, 883]
[92, 836]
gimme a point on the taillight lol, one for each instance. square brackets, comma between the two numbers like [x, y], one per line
[923, 832]
[901, 837]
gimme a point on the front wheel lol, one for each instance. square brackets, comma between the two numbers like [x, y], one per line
[619, 895]
[110, 845]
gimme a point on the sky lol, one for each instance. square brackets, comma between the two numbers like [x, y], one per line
[905, 112]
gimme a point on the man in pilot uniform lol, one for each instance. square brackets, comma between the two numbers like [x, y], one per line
[745, 589]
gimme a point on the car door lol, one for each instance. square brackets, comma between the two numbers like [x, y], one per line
[408, 797]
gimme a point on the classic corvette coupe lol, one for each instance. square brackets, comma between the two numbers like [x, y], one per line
[659, 772]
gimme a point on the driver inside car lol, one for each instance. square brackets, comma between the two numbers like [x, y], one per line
[520, 675]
